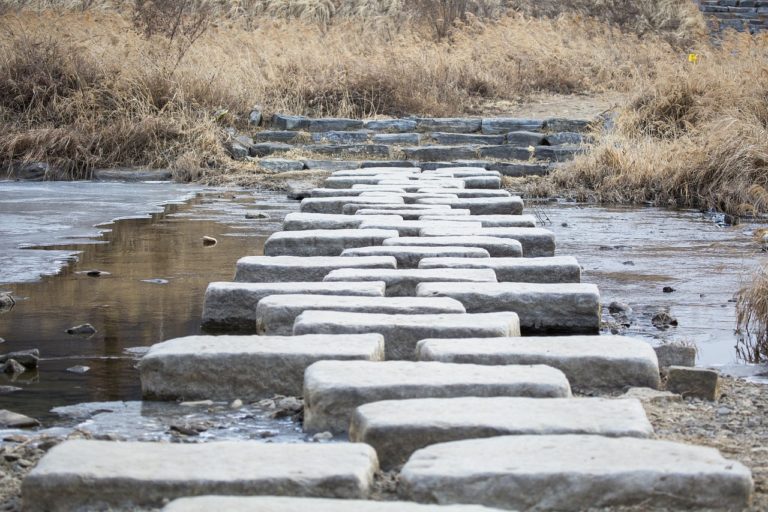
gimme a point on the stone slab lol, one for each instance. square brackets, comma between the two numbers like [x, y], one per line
[323, 242]
[410, 139]
[100, 475]
[410, 257]
[496, 247]
[589, 362]
[348, 192]
[536, 242]
[416, 184]
[334, 389]
[497, 125]
[490, 221]
[390, 125]
[352, 208]
[402, 332]
[244, 367]
[397, 428]
[413, 227]
[461, 171]
[345, 182]
[412, 197]
[557, 269]
[330, 165]
[298, 221]
[468, 192]
[448, 124]
[575, 472]
[438, 152]
[277, 314]
[404, 282]
[525, 138]
[466, 138]
[408, 214]
[482, 182]
[482, 205]
[379, 171]
[519, 169]
[232, 306]
[336, 204]
[286, 269]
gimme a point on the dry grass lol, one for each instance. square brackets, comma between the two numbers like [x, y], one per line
[752, 318]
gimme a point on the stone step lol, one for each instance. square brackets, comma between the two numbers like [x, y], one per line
[231, 307]
[441, 152]
[100, 475]
[402, 332]
[589, 362]
[496, 247]
[557, 269]
[503, 125]
[561, 308]
[286, 269]
[404, 282]
[575, 472]
[461, 171]
[334, 389]
[330, 165]
[410, 257]
[409, 213]
[412, 197]
[390, 125]
[298, 221]
[467, 192]
[244, 367]
[397, 428]
[488, 221]
[341, 137]
[448, 124]
[413, 185]
[348, 192]
[482, 205]
[323, 242]
[413, 227]
[277, 314]
[521, 169]
[353, 208]
[450, 139]
[336, 204]
[399, 139]
[536, 242]
[378, 171]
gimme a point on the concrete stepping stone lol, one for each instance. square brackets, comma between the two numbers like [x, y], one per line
[589, 362]
[347, 192]
[334, 389]
[536, 242]
[408, 214]
[482, 205]
[466, 138]
[575, 472]
[298, 221]
[232, 306]
[277, 314]
[496, 247]
[497, 125]
[546, 308]
[416, 185]
[404, 282]
[468, 192]
[413, 227]
[245, 367]
[402, 332]
[100, 475]
[346, 182]
[482, 182]
[336, 204]
[397, 428]
[287, 269]
[411, 257]
[440, 152]
[409, 139]
[330, 165]
[461, 172]
[323, 242]
[412, 197]
[448, 124]
[490, 221]
[557, 269]
[341, 137]
[378, 171]
[390, 125]
[353, 208]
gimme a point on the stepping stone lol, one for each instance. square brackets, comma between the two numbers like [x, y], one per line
[489, 221]
[386, 164]
[482, 205]
[466, 138]
[482, 182]
[589, 362]
[519, 169]
[390, 125]
[448, 124]
[277, 314]
[575, 472]
[379, 171]
[348, 192]
[333, 124]
[437, 152]
[334, 389]
[468, 192]
[323, 242]
[330, 165]
[462, 171]
[413, 227]
[245, 367]
[286, 269]
[336, 204]
[524, 138]
[397, 428]
[557, 269]
[298, 221]
[496, 247]
[345, 182]
[497, 125]
[408, 214]
[341, 137]
[412, 197]
[402, 332]
[403, 282]
[536, 242]
[352, 208]
[417, 184]
[232, 306]
[409, 139]
[562, 308]
[410, 257]
[97, 475]
[280, 164]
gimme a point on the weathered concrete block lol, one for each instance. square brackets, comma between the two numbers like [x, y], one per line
[277, 136]
[461, 171]
[562, 153]
[286, 122]
[390, 125]
[232, 306]
[351, 192]
[694, 382]
[413, 186]
[330, 165]
[336, 204]
[298, 221]
[466, 138]
[403, 282]
[556, 139]
[334, 389]
[603, 362]
[387, 164]
[482, 182]
[402, 332]
[483, 205]
[345, 182]
[440, 152]
[675, 354]
[277, 314]
[280, 164]
[536, 242]
[558, 269]
[524, 139]
[397, 428]
[575, 472]
[286, 269]
[412, 227]
[496, 125]
[506, 152]
[557, 124]
[411, 139]
[410, 257]
[323, 242]
[333, 124]
[469, 192]
[407, 214]
[496, 247]
[412, 197]
[404, 171]
[353, 208]
[245, 367]
[98, 475]
[566, 308]
[519, 169]
[341, 137]
[489, 221]
[448, 124]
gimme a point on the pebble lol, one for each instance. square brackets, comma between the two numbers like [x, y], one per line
[79, 369]
[322, 436]
[236, 404]
[199, 403]
[13, 367]
[256, 215]
[668, 289]
[155, 281]
[84, 329]
[209, 241]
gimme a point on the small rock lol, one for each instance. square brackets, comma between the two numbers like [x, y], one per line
[255, 117]
[618, 307]
[675, 354]
[184, 430]
[6, 301]
[663, 320]
[7, 390]
[651, 395]
[694, 382]
[209, 241]
[199, 403]
[15, 438]
[629, 263]
[564, 224]
[27, 358]
[2, 340]
[668, 289]
[288, 407]
[155, 281]
[79, 369]
[13, 367]
[84, 329]
[723, 411]
[236, 404]
[322, 436]
[9, 419]
[299, 191]
[256, 215]
[267, 434]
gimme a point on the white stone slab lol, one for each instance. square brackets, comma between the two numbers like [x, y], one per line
[486, 182]
[496, 247]
[323, 242]
[412, 227]
[489, 221]
[336, 204]
[244, 367]
[536, 242]
[352, 208]
[413, 214]
[277, 314]
[416, 184]
[403, 282]
[232, 306]
[462, 172]
[298, 221]
[286, 269]
[557, 269]
[483, 205]
[410, 257]
[346, 192]
[562, 308]
[346, 182]
[397, 428]
[412, 197]
[468, 193]
[403, 332]
[375, 171]
[574, 473]
[99, 475]
[334, 389]
[606, 362]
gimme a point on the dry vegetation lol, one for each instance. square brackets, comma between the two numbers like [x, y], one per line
[752, 318]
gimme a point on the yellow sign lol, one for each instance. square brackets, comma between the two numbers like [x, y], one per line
[693, 58]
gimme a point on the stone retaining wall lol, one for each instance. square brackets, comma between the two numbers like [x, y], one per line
[741, 15]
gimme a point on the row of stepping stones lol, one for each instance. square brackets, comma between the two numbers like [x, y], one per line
[423, 316]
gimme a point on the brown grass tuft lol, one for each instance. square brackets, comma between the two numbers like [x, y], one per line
[752, 318]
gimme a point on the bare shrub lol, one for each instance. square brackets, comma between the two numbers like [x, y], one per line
[752, 318]
[181, 22]
[443, 15]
